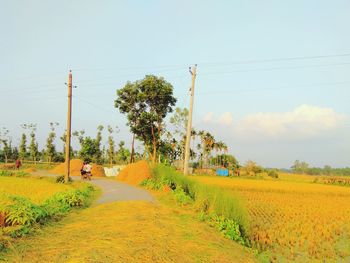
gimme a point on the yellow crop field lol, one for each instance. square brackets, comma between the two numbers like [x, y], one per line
[34, 189]
[294, 220]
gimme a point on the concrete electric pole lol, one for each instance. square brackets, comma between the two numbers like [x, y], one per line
[69, 122]
[193, 71]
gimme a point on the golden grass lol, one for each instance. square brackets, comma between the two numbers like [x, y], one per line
[37, 190]
[295, 220]
[129, 232]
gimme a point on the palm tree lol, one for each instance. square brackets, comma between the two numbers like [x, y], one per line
[209, 143]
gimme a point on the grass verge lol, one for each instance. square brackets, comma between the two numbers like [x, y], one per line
[20, 213]
[220, 208]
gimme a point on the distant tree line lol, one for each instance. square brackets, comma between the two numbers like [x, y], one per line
[304, 168]
[91, 149]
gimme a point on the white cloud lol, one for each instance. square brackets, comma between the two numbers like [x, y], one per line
[304, 121]
[224, 119]
[208, 117]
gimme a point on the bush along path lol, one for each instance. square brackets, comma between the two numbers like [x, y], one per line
[19, 215]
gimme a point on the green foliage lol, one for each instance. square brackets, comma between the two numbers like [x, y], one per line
[20, 211]
[23, 147]
[228, 227]
[111, 146]
[23, 212]
[33, 146]
[252, 168]
[6, 142]
[13, 173]
[181, 197]
[50, 146]
[146, 103]
[300, 167]
[303, 167]
[60, 179]
[273, 173]
[90, 148]
[226, 160]
[123, 154]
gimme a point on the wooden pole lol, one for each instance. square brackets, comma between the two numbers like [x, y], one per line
[69, 122]
[193, 72]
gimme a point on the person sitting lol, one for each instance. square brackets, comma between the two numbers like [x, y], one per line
[88, 168]
[82, 170]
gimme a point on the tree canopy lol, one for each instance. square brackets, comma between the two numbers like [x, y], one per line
[146, 103]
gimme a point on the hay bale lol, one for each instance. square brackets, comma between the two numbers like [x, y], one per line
[75, 166]
[135, 173]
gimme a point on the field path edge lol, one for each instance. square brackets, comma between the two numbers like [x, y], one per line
[112, 190]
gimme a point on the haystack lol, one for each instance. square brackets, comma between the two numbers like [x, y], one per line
[75, 166]
[135, 173]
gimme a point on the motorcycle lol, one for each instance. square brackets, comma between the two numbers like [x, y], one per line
[86, 175]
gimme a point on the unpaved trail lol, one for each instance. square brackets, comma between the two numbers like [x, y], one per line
[112, 190]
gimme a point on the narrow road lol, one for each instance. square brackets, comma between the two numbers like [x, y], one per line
[112, 190]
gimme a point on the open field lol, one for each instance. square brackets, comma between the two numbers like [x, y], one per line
[34, 189]
[292, 218]
[129, 232]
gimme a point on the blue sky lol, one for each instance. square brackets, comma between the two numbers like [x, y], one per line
[271, 111]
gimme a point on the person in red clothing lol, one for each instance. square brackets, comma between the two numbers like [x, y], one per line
[18, 164]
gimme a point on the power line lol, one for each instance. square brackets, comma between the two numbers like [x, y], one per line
[94, 105]
[182, 66]
[275, 88]
[275, 59]
[272, 69]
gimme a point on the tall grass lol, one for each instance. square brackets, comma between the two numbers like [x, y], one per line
[207, 199]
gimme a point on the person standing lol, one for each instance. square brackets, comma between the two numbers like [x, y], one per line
[18, 164]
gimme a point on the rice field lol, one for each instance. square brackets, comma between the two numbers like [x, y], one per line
[37, 190]
[293, 218]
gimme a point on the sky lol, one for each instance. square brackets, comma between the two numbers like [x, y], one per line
[273, 76]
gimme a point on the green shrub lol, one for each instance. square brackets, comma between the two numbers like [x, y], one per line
[13, 173]
[6, 173]
[181, 197]
[23, 212]
[228, 227]
[60, 179]
[272, 173]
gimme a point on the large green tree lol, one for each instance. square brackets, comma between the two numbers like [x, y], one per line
[146, 103]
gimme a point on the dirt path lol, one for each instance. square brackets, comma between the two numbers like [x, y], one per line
[112, 190]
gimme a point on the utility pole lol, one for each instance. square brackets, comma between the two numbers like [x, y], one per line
[193, 71]
[69, 122]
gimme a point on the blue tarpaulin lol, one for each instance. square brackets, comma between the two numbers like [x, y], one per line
[222, 172]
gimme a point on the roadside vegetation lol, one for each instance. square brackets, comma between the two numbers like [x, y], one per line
[28, 202]
[219, 208]
[129, 232]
